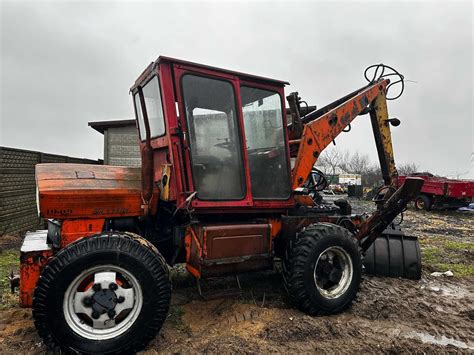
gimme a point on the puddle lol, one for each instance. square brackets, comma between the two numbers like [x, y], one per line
[442, 340]
[446, 290]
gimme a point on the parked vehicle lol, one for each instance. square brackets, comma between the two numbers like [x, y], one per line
[441, 193]
[216, 192]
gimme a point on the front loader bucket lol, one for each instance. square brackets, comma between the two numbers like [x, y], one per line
[394, 254]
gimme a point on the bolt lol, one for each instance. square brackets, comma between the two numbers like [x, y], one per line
[88, 301]
[97, 287]
[111, 314]
[120, 299]
[95, 315]
[113, 286]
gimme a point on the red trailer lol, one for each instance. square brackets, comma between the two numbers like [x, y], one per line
[442, 193]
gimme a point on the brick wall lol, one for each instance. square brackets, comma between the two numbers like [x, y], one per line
[121, 146]
[18, 187]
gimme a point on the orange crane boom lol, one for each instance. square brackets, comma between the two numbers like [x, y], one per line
[321, 131]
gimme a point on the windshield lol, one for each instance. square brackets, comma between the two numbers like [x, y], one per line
[154, 109]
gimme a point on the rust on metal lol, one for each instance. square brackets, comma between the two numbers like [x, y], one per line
[384, 215]
[68, 191]
[304, 200]
[383, 139]
[211, 249]
[72, 230]
[164, 183]
[31, 265]
[321, 132]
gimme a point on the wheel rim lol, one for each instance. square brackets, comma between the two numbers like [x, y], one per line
[102, 302]
[333, 272]
[420, 204]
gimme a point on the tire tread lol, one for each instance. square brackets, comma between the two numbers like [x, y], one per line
[125, 242]
[294, 262]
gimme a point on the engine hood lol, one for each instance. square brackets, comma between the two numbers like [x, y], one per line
[88, 191]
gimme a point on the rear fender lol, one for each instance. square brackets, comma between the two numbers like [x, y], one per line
[35, 254]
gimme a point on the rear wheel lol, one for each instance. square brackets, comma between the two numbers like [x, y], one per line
[322, 269]
[107, 294]
[423, 202]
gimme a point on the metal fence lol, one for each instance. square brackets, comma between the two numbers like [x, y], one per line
[18, 187]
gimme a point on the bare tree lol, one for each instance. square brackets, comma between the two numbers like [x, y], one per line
[372, 177]
[408, 168]
[355, 163]
[330, 160]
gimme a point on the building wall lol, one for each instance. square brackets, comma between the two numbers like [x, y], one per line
[18, 186]
[121, 146]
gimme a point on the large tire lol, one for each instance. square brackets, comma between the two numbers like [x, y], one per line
[322, 269]
[139, 288]
[423, 202]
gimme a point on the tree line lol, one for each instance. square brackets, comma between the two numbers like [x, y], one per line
[333, 161]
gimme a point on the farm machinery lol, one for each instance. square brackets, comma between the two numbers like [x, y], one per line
[226, 186]
[441, 193]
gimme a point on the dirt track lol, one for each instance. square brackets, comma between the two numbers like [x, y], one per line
[435, 314]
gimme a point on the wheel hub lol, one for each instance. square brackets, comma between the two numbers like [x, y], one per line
[105, 309]
[102, 301]
[333, 272]
[335, 275]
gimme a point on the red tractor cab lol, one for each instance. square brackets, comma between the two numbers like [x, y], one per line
[216, 133]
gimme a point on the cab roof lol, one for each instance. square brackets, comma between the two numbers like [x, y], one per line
[164, 59]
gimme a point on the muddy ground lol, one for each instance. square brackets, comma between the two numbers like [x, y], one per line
[435, 314]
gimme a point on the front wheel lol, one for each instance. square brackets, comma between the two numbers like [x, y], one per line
[109, 293]
[322, 269]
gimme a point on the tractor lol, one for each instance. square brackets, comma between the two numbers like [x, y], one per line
[227, 186]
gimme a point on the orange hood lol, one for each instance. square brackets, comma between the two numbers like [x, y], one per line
[88, 191]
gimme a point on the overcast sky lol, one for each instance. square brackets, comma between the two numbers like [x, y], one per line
[64, 64]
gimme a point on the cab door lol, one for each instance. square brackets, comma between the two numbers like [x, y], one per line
[266, 146]
[209, 110]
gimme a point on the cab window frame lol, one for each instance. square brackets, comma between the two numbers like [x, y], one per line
[238, 129]
[138, 110]
[284, 123]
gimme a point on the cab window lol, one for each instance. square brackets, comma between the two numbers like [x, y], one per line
[265, 143]
[213, 135]
[154, 110]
